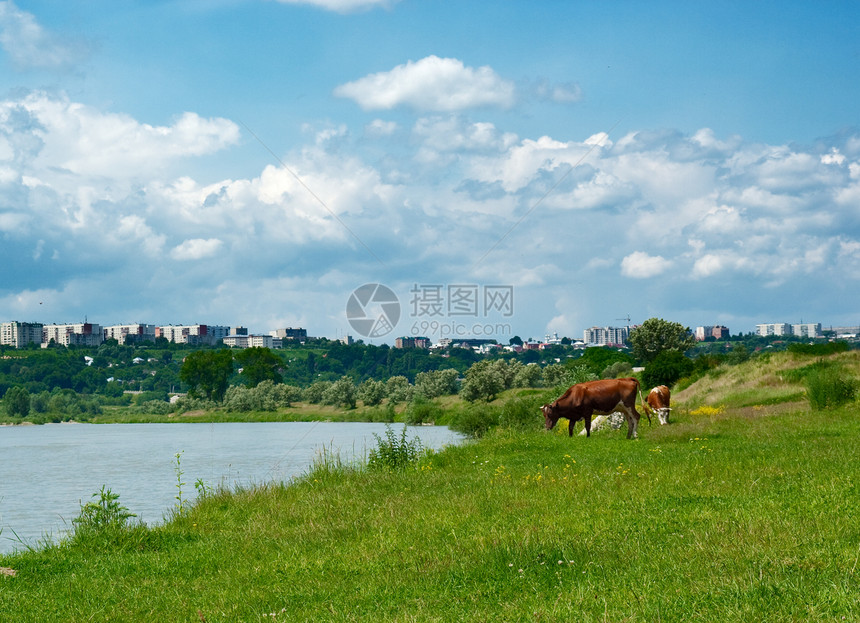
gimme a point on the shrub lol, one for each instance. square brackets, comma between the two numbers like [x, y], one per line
[827, 348]
[474, 420]
[392, 453]
[830, 387]
[519, 414]
[421, 411]
[616, 370]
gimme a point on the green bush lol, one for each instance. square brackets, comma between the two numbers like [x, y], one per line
[830, 387]
[820, 350]
[666, 368]
[100, 519]
[421, 411]
[474, 420]
[519, 414]
[393, 453]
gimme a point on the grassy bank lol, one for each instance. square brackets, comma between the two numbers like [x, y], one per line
[734, 512]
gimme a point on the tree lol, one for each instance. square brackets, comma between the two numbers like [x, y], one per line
[436, 383]
[371, 392]
[516, 340]
[206, 372]
[656, 335]
[341, 393]
[259, 364]
[484, 380]
[17, 402]
[666, 369]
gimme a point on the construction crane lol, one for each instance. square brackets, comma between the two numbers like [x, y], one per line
[627, 318]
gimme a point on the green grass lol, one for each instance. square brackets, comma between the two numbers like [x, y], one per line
[746, 515]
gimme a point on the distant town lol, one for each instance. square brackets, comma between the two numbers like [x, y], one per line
[24, 334]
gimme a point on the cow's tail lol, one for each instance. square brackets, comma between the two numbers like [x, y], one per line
[645, 406]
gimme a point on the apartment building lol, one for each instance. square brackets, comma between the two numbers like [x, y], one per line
[718, 332]
[20, 334]
[130, 333]
[606, 336]
[250, 341]
[291, 333]
[79, 334]
[808, 329]
[193, 334]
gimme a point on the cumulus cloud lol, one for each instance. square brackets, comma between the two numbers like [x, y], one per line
[196, 249]
[32, 47]
[640, 265]
[433, 84]
[57, 135]
[89, 196]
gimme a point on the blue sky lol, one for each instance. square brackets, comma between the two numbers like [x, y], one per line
[255, 161]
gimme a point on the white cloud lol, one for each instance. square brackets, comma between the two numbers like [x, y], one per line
[31, 46]
[379, 127]
[432, 83]
[640, 265]
[562, 93]
[196, 249]
[78, 140]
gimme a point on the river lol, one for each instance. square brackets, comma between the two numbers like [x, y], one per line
[46, 472]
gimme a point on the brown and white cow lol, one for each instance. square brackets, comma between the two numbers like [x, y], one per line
[583, 400]
[658, 401]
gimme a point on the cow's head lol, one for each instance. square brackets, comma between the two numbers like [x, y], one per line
[549, 415]
[663, 415]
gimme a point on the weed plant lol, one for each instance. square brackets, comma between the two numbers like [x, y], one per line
[394, 453]
[830, 387]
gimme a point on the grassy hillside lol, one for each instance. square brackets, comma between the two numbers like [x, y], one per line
[744, 510]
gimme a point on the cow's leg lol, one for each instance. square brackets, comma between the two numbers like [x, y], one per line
[570, 424]
[632, 422]
[588, 425]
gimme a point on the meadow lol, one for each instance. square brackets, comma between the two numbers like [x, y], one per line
[743, 508]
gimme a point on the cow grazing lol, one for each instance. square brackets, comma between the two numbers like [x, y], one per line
[658, 401]
[583, 400]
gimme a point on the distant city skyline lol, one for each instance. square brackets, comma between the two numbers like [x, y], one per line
[262, 160]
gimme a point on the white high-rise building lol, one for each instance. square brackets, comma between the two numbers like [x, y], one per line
[129, 333]
[79, 334]
[605, 336]
[193, 334]
[20, 334]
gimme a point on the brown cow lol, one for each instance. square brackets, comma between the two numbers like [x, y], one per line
[583, 400]
[658, 400]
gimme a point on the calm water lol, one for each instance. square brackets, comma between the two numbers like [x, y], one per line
[47, 471]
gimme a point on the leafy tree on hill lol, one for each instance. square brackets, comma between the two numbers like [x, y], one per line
[656, 335]
[666, 369]
[206, 372]
[259, 364]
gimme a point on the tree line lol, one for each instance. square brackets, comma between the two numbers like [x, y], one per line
[77, 382]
